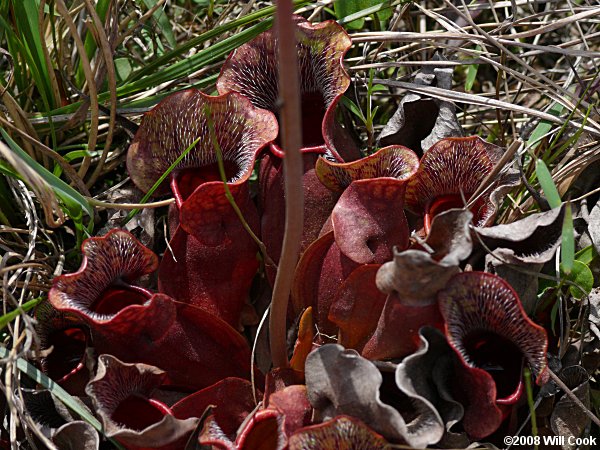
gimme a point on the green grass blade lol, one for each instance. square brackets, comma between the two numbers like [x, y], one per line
[74, 202]
[26, 17]
[162, 178]
[586, 255]
[66, 398]
[471, 76]
[8, 170]
[544, 127]
[71, 156]
[155, 64]
[348, 8]
[472, 73]
[9, 317]
[530, 402]
[548, 186]
[162, 22]
[89, 43]
[567, 248]
[368, 11]
[570, 142]
[354, 108]
[181, 69]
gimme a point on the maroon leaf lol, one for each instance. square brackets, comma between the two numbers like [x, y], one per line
[411, 282]
[357, 307]
[185, 341]
[292, 403]
[396, 333]
[262, 430]
[319, 273]
[214, 278]
[102, 286]
[318, 204]
[364, 225]
[212, 437]
[252, 70]
[457, 391]
[69, 339]
[394, 162]
[231, 399]
[365, 229]
[267, 428]
[476, 390]
[240, 132]
[136, 326]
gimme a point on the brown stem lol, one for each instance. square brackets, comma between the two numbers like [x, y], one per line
[289, 96]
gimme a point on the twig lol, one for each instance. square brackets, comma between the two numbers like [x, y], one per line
[487, 181]
[289, 89]
[107, 205]
[573, 397]
[595, 191]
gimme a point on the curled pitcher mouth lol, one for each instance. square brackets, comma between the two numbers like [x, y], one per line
[449, 173]
[240, 131]
[488, 328]
[252, 70]
[101, 287]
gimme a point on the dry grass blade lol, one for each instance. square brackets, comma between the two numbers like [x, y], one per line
[592, 12]
[52, 211]
[71, 173]
[573, 397]
[524, 77]
[91, 84]
[107, 52]
[486, 183]
[435, 36]
[462, 97]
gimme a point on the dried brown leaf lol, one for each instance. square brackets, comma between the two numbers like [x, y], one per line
[341, 382]
[421, 121]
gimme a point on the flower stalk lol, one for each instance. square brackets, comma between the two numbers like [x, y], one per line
[292, 162]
